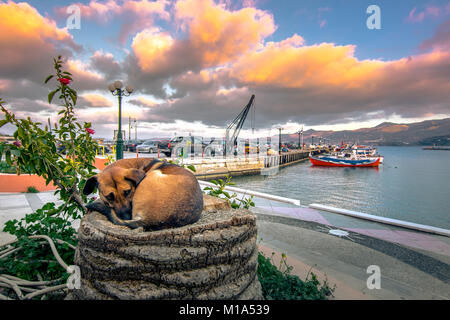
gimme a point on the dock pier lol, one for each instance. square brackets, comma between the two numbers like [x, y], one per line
[219, 167]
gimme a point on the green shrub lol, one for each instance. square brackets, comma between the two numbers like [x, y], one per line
[6, 168]
[280, 284]
[32, 189]
[34, 256]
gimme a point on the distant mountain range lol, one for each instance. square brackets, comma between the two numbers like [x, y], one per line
[429, 132]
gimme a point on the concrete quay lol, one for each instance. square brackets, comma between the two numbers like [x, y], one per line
[255, 164]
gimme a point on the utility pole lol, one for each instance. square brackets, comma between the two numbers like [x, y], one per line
[279, 141]
[129, 128]
[135, 129]
[302, 138]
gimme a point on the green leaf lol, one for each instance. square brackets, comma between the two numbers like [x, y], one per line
[3, 122]
[51, 94]
[48, 78]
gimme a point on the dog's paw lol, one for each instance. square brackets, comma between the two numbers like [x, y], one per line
[98, 206]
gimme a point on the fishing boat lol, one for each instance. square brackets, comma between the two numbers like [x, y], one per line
[335, 161]
[365, 152]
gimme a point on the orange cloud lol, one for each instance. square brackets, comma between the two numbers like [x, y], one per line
[144, 102]
[26, 23]
[219, 34]
[285, 65]
[215, 36]
[97, 100]
[27, 37]
[151, 48]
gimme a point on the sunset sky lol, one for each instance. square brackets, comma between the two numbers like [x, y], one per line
[195, 63]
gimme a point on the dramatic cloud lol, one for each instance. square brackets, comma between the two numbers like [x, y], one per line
[195, 64]
[214, 36]
[106, 64]
[29, 41]
[96, 100]
[143, 102]
[133, 15]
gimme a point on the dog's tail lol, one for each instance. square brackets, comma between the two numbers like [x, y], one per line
[133, 224]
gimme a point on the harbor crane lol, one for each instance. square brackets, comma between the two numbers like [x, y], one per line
[234, 128]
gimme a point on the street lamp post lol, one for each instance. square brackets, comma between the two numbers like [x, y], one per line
[116, 90]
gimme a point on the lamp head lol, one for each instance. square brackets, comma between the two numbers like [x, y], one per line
[129, 89]
[118, 84]
[111, 87]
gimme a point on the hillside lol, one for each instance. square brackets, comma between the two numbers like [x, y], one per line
[420, 133]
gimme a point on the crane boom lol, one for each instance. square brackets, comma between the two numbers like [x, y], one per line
[235, 127]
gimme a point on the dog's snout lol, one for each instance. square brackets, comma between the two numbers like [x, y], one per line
[124, 213]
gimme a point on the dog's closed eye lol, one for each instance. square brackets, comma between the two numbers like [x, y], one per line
[110, 196]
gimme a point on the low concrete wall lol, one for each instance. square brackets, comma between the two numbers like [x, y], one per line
[20, 183]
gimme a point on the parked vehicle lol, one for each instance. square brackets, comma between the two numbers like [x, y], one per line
[164, 146]
[214, 148]
[130, 145]
[149, 146]
[182, 146]
[103, 149]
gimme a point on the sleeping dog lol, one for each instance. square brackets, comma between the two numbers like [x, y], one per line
[146, 193]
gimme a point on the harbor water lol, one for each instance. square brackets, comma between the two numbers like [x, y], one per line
[411, 185]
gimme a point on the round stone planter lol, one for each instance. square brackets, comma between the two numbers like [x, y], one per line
[214, 258]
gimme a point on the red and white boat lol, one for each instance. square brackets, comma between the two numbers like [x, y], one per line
[334, 161]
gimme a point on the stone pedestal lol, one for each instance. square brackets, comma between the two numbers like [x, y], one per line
[214, 258]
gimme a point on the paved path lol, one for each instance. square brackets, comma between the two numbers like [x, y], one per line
[406, 272]
[17, 205]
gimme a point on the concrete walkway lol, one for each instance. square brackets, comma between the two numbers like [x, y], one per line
[17, 205]
[415, 268]
[406, 272]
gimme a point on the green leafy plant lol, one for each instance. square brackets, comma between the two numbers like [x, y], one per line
[34, 259]
[180, 163]
[36, 148]
[7, 168]
[219, 191]
[280, 284]
[32, 189]
[36, 151]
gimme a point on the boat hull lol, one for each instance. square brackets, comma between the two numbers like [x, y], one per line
[332, 162]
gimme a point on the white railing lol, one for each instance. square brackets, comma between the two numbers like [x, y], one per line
[254, 193]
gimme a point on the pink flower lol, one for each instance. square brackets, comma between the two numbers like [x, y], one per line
[64, 80]
[17, 144]
[90, 131]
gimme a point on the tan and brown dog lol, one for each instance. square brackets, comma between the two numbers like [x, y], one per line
[146, 193]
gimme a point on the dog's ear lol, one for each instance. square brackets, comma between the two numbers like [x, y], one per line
[135, 176]
[90, 185]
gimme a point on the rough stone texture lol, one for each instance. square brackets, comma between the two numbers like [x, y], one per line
[214, 258]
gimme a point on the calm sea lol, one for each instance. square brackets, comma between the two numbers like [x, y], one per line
[412, 185]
